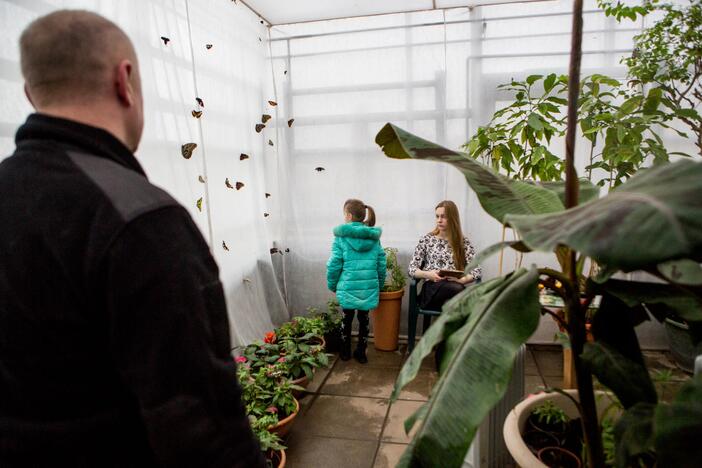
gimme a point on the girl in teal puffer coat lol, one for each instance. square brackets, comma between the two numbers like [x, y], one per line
[356, 272]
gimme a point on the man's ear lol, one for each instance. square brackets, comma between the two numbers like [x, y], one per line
[123, 83]
[29, 96]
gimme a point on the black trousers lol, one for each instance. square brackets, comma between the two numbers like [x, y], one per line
[435, 295]
[362, 322]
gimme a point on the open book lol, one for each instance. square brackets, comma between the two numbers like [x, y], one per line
[452, 273]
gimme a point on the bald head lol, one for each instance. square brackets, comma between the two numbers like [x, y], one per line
[79, 65]
[69, 54]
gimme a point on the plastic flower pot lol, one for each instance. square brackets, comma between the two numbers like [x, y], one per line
[386, 320]
[284, 425]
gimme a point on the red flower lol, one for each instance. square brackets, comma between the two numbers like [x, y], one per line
[282, 359]
[270, 337]
[272, 409]
[240, 359]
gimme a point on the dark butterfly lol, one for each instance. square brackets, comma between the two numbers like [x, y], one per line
[201, 179]
[265, 215]
[285, 72]
[199, 102]
[290, 122]
[268, 195]
[275, 250]
[196, 114]
[319, 169]
[273, 103]
[187, 150]
[265, 118]
[226, 182]
[243, 156]
[270, 142]
[208, 46]
[260, 40]
[259, 127]
[224, 246]
[198, 203]
[165, 40]
[261, 21]
[239, 185]
[287, 250]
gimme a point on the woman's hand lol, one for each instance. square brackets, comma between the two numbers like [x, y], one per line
[463, 280]
[433, 275]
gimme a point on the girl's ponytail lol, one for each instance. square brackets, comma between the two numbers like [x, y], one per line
[370, 220]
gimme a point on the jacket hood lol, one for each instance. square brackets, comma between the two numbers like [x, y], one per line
[359, 236]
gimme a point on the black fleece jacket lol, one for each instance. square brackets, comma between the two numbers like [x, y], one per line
[114, 338]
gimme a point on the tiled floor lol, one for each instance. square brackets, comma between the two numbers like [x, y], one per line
[347, 421]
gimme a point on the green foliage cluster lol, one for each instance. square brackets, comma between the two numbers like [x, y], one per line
[395, 279]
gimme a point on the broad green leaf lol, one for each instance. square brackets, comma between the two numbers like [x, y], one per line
[531, 79]
[689, 113]
[630, 105]
[478, 371]
[654, 217]
[678, 428]
[446, 323]
[416, 416]
[652, 101]
[628, 380]
[549, 82]
[682, 272]
[677, 300]
[633, 433]
[535, 122]
[498, 194]
[586, 190]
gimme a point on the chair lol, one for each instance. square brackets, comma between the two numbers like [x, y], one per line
[415, 311]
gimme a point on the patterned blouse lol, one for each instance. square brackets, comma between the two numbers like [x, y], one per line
[435, 253]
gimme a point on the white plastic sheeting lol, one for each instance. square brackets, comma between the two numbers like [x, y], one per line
[433, 73]
[229, 78]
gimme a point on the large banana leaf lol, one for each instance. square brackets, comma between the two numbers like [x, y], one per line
[682, 272]
[498, 194]
[633, 434]
[675, 299]
[586, 190]
[478, 371]
[655, 217]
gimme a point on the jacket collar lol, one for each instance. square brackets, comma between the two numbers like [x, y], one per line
[96, 141]
[358, 231]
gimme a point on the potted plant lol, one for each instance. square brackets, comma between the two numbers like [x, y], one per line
[386, 317]
[648, 223]
[267, 392]
[270, 443]
[332, 324]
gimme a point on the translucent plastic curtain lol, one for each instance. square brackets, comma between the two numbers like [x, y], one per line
[228, 77]
[433, 73]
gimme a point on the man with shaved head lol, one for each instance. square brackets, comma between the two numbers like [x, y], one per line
[114, 337]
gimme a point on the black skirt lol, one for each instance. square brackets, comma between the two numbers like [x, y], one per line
[435, 294]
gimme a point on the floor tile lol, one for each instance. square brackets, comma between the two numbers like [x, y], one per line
[351, 378]
[319, 376]
[324, 452]
[395, 426]
[389, 455]
[420, 387]
[347, 417]
[377, 358]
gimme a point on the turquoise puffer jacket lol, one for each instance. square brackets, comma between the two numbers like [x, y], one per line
[356, 269]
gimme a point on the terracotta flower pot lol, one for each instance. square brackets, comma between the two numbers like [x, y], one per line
[302, 382]
[516, 423]
[386, 320]
[277, 458]
[284, 425]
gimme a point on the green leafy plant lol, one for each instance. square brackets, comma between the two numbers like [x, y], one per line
[550, 414]
[310, 327]
[395, 279]
[643, 224]
[294, 356]
[267, 391]
[618, 121]
[668, 56]
[331, 319]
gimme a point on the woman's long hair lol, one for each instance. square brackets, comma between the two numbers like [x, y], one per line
[454, 233]
[358, 209]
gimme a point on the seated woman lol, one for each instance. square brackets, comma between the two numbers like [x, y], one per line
[445, 248]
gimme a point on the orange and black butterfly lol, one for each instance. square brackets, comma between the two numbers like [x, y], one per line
[243, 156]
[227, 183]
[187, 150]
[196, 114]
[239, 185]
[165, 40]
[259, 127]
